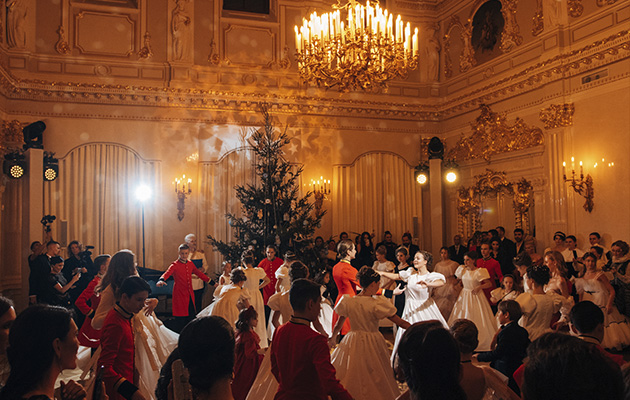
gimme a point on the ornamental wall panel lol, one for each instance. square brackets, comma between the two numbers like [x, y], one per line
[249, 46]
[89, 34]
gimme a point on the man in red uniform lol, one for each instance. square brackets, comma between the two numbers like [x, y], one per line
[300, 357]
[493, 267]
[270, 265]
[117, 354]
[183, 295]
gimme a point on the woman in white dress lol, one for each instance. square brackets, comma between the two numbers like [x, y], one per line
[362, 358]
[253, 284]
[445, 296]
[419, 305]
[472, 303]
[595, 287]
[539, 307]
[153, 341]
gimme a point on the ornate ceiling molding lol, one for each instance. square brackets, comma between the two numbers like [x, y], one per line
[559, 67]
[492, 134]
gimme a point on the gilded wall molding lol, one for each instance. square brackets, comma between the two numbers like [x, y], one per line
[10, 136]
[602, 3]
[470, 201]
[492, 134]
[538, 25]
[467, 58]
[510, 37]
[146, 52]
[557, 115]
[575, 8]
[62, 46]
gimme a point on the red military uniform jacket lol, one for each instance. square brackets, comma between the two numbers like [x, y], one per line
[117, 354]
[183, 291]
[300, 361]
[345, 276]
[270, 268]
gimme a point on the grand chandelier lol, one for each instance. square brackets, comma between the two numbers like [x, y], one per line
[364, 49]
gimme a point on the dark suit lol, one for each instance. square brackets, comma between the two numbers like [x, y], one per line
[511, 349]
[507, 248]
[413, 249]
[517, 249]
[457, 256]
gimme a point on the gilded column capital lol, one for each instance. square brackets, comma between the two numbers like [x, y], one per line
[557, 115]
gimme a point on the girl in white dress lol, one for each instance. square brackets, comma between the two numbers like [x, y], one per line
[232, 299]
[539, 307]
[419, 305]
[362, 358]
[445, 296]
[472, 303]
[153, 341]
[595, 287]
[253, 285]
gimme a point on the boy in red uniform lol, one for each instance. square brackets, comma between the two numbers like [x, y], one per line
[184, 307]
[117, 354]
[300, 357]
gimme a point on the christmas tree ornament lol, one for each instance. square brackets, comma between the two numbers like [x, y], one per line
[267, 201]
[260, 214]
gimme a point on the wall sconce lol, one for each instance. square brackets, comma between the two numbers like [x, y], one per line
[321, 190]
[451, 171]
[582, 186]
[422, 173]
[183, 190]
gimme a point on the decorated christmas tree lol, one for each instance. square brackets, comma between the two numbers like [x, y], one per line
[272, 212]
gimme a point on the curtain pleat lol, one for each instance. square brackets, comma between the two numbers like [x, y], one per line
[95, 193]
[374, 194]
[218, 197]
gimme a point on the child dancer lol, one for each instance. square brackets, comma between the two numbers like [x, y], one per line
[362, 357]
[233, 298]
[184, 307]
[472, 303]
[253, 285]
[117, 354]
[507, 290]
[300, 357]
[248, 353]
[595, 287]
[87, 302]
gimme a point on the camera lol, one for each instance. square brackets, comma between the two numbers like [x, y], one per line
[47, 220]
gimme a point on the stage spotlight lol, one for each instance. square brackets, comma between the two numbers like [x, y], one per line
[451, 171]
[143, 193]
[436, 148]
[422, 173]
[33, 135]
[51, 166]
[14, 165]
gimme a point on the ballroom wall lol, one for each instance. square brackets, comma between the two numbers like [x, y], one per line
[178, 85]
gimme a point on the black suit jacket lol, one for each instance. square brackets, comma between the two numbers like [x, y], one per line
[511, 349]
[457, 256]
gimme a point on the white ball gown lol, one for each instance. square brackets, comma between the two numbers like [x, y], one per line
[445, 296]
[419, 305]
[226, 303]
[254, 276]
[616, 327]
[362, 357]
[474, 306]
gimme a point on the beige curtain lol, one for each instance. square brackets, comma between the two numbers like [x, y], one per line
[376, 193]
[218, 197]
[95, 193]
[11, 239]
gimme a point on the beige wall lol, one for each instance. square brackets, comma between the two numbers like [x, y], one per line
[167, 109]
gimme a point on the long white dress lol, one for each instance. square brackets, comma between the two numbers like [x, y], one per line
[474, 306]
[616, 327]
[226, 303]
[419, 306]
[446, 295]
[254, 276]
[362, 358]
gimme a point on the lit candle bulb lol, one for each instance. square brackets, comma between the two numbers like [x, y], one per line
[564, 170]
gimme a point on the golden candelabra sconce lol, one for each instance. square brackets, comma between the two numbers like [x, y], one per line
[183, 190]
[582, 185]
[321, 190]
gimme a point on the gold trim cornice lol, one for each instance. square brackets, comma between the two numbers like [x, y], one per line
[559, 67]
[557, 115]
